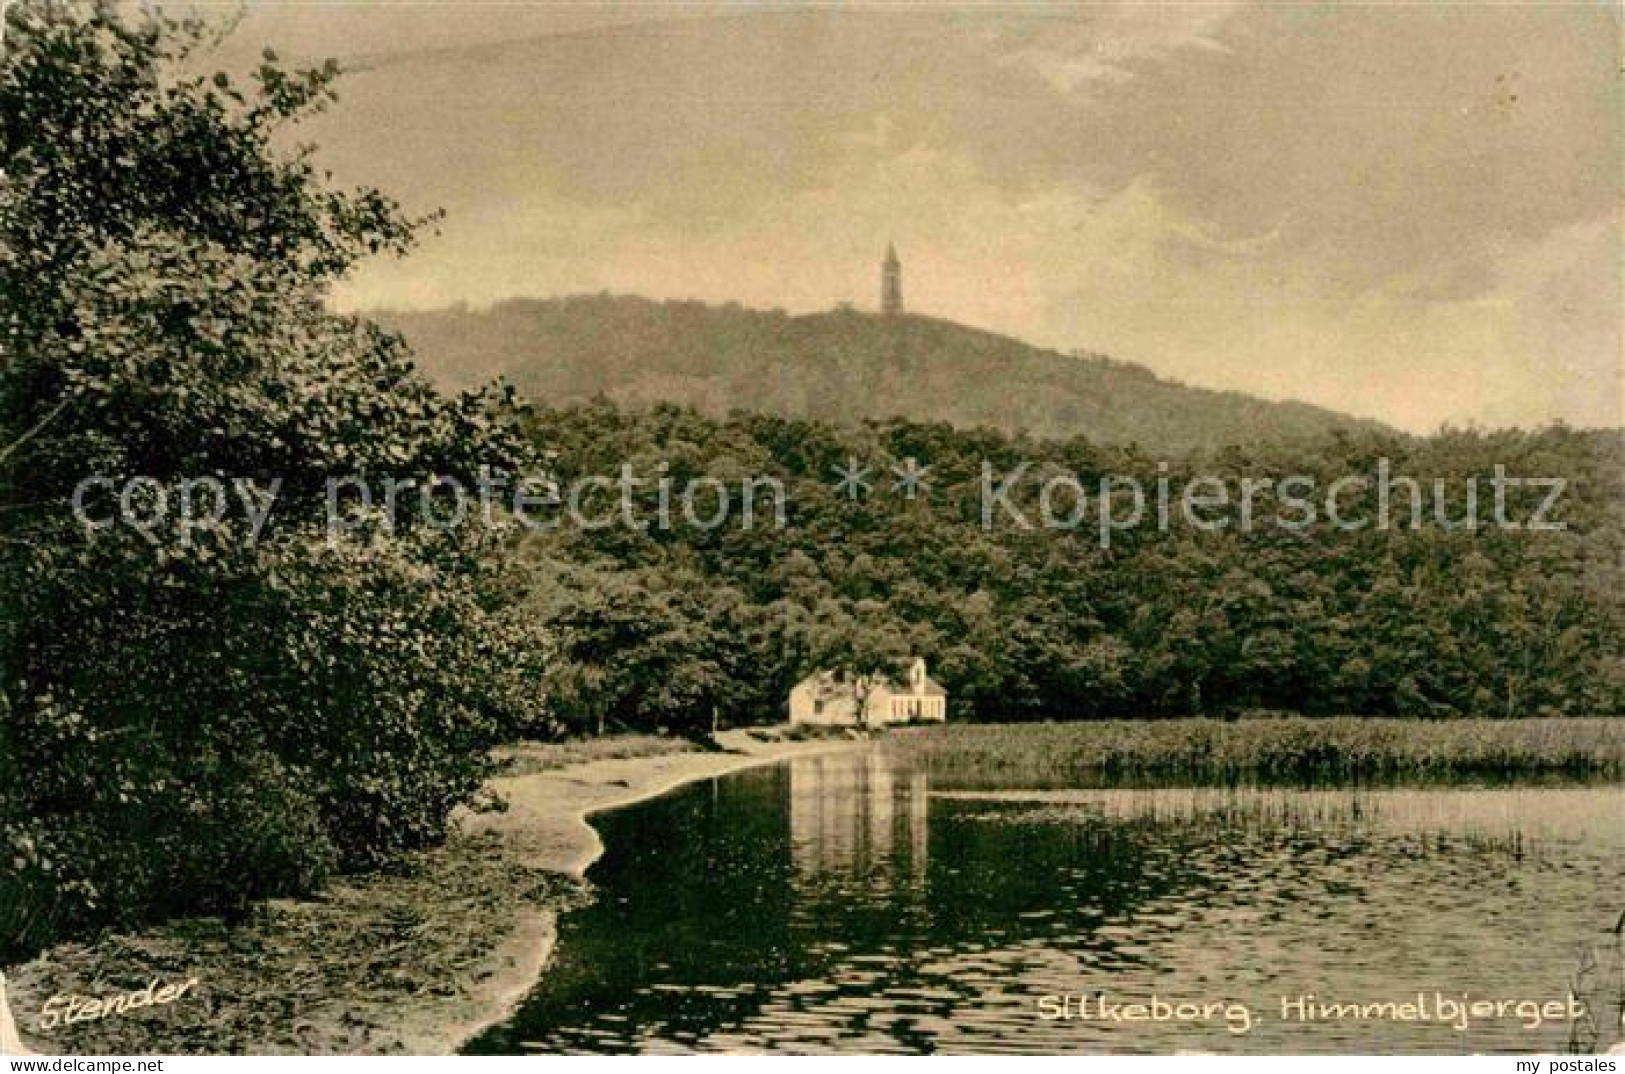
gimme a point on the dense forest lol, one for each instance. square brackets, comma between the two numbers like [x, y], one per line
[668, 626]
[839, 366]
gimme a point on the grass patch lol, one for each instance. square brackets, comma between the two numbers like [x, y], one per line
[370, 966]
[804, 732]
[1277, 749]
[529, 758]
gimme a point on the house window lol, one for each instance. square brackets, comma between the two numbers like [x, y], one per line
[818, 706]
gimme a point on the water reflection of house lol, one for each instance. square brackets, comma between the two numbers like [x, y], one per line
[852, 814]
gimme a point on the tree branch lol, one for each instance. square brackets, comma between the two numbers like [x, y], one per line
[38, 427]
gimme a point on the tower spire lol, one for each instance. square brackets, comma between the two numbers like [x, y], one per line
[891, 283]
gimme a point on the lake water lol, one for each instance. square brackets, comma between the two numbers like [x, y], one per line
[846, 903]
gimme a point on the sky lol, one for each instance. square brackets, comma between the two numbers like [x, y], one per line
[1402, 211]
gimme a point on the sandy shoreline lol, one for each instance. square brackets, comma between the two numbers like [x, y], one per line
[413, 964]
[547, 825]
[547, 819]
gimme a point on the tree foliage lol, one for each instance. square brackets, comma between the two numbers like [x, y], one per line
[190, 717]
[1045, 623]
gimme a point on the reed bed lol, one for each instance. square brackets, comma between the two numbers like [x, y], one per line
[1274, 750]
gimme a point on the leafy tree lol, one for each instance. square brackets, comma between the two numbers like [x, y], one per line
[196, 715]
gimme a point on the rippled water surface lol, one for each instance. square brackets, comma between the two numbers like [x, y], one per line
[843, 903]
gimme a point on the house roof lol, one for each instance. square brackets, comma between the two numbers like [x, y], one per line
[827, 682]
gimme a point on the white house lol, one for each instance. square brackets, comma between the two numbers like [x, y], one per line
[831, 698]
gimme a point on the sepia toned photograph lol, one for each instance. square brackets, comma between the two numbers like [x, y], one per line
[582, 528]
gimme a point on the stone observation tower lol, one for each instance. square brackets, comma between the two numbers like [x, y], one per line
[891, 284]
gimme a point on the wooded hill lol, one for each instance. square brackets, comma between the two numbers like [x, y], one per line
[840, 366]
[670, 626]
